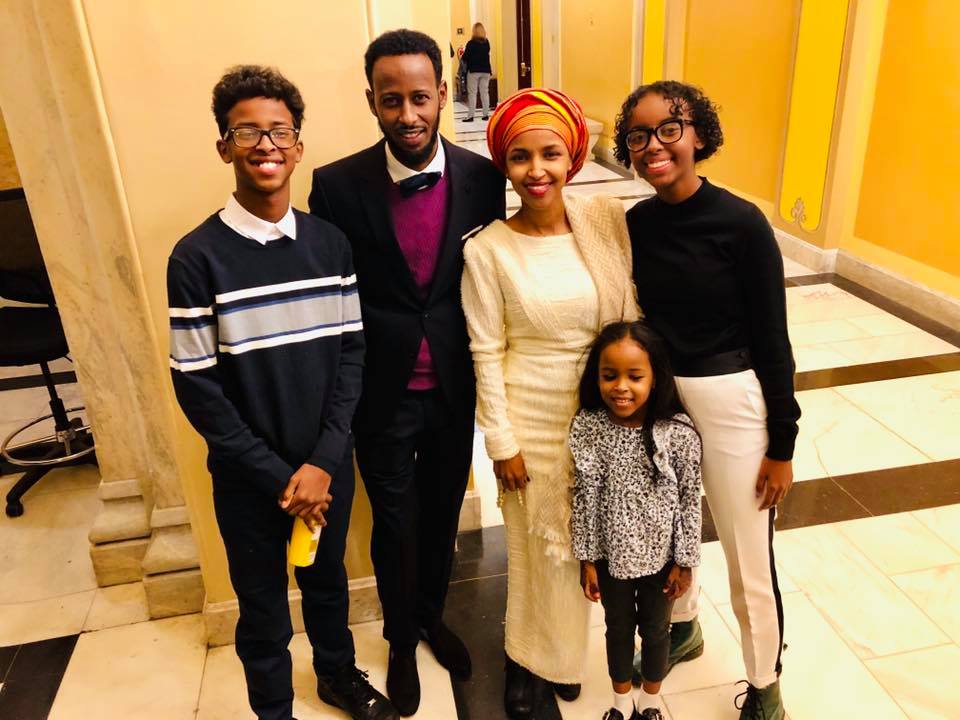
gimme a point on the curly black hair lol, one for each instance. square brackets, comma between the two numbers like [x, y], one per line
[402, 42]
[683, 97]
[664, 401]
[243, 82]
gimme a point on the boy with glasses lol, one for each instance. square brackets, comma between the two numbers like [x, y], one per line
[266, 352]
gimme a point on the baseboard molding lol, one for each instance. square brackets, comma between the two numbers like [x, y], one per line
[817, 259]
[221, 618]
[918, 297]
[470, 512]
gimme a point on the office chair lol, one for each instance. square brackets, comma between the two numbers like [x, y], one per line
[33, 336]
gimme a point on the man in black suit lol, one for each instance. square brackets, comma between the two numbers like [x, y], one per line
[407, 205]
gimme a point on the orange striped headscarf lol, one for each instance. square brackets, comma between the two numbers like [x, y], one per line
[538, 109]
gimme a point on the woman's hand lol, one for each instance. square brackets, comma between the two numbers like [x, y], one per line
[588, 581]
[773, 481]
[678, 581]
[511, 473]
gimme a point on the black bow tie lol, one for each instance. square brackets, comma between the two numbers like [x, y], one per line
[418, 182]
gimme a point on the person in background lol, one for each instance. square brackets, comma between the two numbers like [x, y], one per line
[407, 204]
[476, 58]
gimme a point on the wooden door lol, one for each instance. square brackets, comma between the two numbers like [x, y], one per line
[524, 71]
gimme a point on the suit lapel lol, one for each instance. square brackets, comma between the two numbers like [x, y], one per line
[459, 183]
[372, 183]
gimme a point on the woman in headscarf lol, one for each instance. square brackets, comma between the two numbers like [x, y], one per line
[536, 289]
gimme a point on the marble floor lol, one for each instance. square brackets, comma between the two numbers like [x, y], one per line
[868, 554]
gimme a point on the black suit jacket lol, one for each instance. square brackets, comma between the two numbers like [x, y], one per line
[352, 194]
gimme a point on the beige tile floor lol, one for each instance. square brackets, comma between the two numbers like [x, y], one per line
[871, 632]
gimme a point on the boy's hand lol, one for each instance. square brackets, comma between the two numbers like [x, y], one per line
[678, 581]
[588, 581]
[306, 495]
[773, 481]
[511, 473]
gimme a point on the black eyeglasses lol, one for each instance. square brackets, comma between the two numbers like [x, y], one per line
[667, 132]
[247, 137]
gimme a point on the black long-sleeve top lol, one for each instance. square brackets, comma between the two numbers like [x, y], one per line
[476, 56]
[709, 278]
[266, 349]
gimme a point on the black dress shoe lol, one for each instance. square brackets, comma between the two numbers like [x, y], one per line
[449, 650]
[517, 692]
[403, 680]
[568, 692]
[350, 690]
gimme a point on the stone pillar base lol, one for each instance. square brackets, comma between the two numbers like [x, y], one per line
[174, 593]
[115, 563]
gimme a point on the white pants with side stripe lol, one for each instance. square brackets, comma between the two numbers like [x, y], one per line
[730, 413]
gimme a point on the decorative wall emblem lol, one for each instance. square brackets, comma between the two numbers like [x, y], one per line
[798, 212]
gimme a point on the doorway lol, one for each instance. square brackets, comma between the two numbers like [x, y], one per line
[524, 46]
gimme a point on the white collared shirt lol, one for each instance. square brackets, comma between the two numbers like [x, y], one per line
[398, 171]
[238, 218]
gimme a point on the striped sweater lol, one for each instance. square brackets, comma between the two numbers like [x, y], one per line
[266, 349]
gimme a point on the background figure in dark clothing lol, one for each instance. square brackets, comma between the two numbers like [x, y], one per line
[407, 205]
[266, 353]
[476, 58]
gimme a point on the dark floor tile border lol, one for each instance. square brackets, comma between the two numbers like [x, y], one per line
[938, 329]
[872, 372]
[483, 553]
[34, 676]
[31, 381]
[864, 494]
[7, 654]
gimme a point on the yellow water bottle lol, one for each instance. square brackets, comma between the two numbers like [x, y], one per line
[303, 544]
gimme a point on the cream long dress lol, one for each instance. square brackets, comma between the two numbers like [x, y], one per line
[533, 306]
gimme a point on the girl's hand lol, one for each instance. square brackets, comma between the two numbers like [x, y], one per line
[773, 481]
[678, 581]
[511, 473]
[588, 581]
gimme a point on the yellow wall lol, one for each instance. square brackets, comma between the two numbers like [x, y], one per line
[9, 177]
[741, 53]
[909, 194]
[595, 57]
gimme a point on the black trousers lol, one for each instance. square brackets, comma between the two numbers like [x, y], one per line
[255, 533]
[637, 605]
[415, 471]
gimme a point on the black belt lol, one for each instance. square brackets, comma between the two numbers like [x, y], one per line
[725, 363]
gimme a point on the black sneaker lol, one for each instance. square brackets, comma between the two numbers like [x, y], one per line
[350, 690]
[468, 119]
[650, 713]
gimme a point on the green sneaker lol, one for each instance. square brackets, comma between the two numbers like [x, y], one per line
[686, 643]
[760, 703]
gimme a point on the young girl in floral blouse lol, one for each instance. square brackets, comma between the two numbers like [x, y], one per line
[636, 504]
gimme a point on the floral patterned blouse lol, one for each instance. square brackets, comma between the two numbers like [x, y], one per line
[635, 511]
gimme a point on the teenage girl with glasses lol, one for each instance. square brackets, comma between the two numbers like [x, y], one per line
[709, 278]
